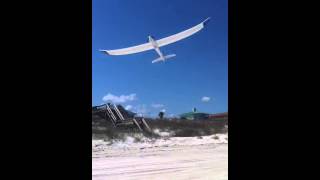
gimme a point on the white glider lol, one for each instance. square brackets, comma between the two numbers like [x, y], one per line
[155, 44]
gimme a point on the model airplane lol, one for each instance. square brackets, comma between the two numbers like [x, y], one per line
[155, 44]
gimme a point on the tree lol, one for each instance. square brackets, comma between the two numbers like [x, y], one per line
[161, 114]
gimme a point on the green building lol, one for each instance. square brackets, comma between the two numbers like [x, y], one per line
[194, 115]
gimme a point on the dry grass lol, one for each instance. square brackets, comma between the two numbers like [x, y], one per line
[180, 128]
[186, 128]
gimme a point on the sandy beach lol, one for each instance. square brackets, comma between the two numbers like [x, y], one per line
[178, 158]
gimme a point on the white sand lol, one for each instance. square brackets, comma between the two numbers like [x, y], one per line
[169, 158]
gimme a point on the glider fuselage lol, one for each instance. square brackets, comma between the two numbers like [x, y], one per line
[156, 47]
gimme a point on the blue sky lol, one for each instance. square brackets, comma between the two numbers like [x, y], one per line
[198, 72]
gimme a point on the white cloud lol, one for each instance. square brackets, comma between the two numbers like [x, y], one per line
[119, 99]
[128, 107]
[205, 99]
[163, 110]
[140, 109]
[157, 105]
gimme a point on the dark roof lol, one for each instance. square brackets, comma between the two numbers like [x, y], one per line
[225, 114]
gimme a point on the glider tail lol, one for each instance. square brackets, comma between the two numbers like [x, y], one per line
[164, 58]
[169, 56]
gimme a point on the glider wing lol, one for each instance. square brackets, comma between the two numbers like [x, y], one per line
[181, 35]
[129, 50]
[160, 42]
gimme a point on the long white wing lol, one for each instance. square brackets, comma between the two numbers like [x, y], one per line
[129, 50]
[160, 42]
[181, 35]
